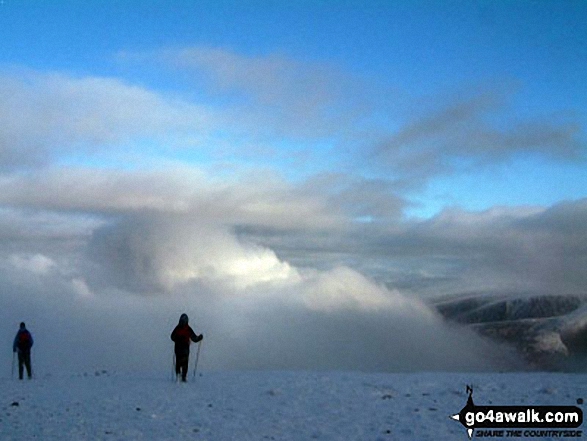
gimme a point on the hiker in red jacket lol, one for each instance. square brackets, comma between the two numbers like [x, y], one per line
[23, 342]
[183, 335]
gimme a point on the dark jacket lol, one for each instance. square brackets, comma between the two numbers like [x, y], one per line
[183, 335]
[23, 342]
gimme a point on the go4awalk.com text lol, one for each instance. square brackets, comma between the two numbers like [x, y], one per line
[520, 421]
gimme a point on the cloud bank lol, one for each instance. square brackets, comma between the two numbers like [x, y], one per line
[134, 270]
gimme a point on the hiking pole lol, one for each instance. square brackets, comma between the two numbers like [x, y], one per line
[173, 372]
[197, 358]
[12, 372]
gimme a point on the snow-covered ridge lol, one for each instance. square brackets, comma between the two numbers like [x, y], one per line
[550, 331]
[264, 405]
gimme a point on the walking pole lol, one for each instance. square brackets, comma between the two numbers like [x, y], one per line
[173, 374]
[197, 358]
[12, 372]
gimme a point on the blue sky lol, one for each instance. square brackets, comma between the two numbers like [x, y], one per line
[402, 57]
[422, 106]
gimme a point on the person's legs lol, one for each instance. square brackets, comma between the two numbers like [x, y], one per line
[184, 369]
[27, 363]
[20, 365]
[181, 366]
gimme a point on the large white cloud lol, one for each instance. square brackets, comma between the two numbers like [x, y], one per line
[154, 253]
[45, 116]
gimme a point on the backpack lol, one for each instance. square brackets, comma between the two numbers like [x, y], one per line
[24, 340]
[183, 335]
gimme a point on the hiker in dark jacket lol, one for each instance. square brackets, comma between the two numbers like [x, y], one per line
[23, 342]
[183, 335]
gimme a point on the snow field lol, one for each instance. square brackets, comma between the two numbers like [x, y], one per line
[265, 405]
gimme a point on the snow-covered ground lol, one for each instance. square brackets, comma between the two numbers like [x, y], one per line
[263, 405]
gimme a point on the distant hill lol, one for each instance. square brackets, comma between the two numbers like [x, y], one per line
[550, 331]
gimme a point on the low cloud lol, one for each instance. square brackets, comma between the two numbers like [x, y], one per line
[139, 269]
[315, 324]
[326, 291]
[520, 249]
